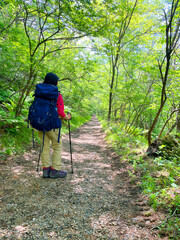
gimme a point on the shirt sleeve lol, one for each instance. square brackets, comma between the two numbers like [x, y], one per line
[60, 106]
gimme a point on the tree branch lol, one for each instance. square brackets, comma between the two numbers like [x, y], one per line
[175, 110]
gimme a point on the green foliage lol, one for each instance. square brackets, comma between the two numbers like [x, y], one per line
[171, 227]
[14, 140]
[159, 177]
[15, 136]
[121, 140]
[160, 181]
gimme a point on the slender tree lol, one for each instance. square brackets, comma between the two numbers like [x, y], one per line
[53, 26]
[122, 29]
[172, 34]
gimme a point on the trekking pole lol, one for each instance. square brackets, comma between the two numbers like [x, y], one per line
[37, 168]
[41, 149]
[70, 144]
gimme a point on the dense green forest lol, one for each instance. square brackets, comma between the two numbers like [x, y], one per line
[118, 59]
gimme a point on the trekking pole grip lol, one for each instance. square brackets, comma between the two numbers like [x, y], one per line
[70, 114]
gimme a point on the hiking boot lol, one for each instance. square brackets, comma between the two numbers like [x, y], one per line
[46, 172]
[57, 173]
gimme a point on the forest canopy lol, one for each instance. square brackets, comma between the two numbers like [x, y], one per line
[119, 58]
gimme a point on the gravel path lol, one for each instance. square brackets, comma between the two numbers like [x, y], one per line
[98, 201]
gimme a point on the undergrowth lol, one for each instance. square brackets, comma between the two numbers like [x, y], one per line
[158, 177]
[16, 135]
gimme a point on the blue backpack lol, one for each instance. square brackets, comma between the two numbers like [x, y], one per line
[43, 114]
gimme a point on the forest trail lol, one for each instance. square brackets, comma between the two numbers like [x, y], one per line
[98, 201]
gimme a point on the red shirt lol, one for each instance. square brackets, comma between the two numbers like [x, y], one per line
[60, 106]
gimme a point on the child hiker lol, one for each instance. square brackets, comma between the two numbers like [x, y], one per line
[53, 170]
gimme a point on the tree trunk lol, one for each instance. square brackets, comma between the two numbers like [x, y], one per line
[171, 129]
[178, 120]
[175, 110]
[25, 92]
[171, 43]
[111, 93]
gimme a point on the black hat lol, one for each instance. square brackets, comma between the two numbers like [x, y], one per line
[51, 78]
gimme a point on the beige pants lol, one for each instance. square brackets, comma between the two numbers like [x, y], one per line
[51, 136]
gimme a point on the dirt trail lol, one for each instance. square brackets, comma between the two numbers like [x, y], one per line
[98, 201]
